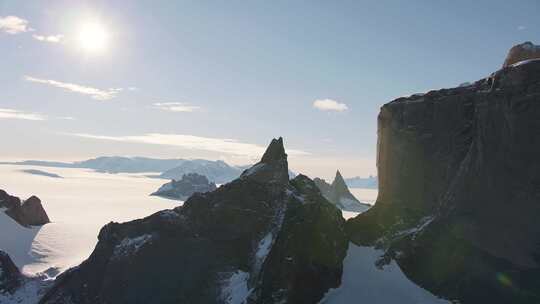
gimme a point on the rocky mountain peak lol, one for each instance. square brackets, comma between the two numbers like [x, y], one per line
[27, 213]
[275, 151]
[273, 166]
[521, 52]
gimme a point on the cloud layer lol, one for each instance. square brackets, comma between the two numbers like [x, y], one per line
[13, 25]
[97, 94]
[176, 107]
[329, 105]
[221, 145]
[50, 38]
[16, 114]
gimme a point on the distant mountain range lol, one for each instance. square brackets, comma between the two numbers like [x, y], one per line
[362, 182]
[216, 171]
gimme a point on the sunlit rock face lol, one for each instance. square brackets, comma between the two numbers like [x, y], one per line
[26, 213]
[258, 239]
[521, 52]
[459, 194]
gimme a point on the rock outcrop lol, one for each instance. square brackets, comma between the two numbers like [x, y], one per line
[522, 52]
[338, 194]
[26, 213]
[459, 188]
[258, 239]
[182, 189]
[10, 276]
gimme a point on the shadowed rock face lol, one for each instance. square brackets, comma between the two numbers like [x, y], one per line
[521, 52]
[459, 194]
[27, 213]
[267, 238]
[10, 277]
[189, 184]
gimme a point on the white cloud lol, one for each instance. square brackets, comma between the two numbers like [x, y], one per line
[14, 25]
[221, 145]
[329, 105]
[51, 38]
[16, 114]
[92, 92]
[176, 107]
[521, 28]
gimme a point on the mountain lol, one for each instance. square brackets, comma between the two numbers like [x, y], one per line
[15, 288]
[216, 171]
[26, 213]
[112, 164]
[459, 193]
[261, 238]
[338, 194]
[182, 189]
[521, 52]
[362, 182]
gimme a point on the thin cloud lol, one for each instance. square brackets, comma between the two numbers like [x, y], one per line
[14, 25]
[16, 114]
[521, 28]
[50, 38]
[221, 145]
[97, 94]
[329, 105]
[176, 107]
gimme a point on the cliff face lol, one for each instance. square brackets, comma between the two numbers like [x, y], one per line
[258, 239]
[520, 52]
[26, 213]
[459, 196]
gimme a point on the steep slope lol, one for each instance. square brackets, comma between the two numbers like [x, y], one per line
[338, 194]
[185, 187]
[26, 213]
[260, 238]
[15, 288]
[459, 194]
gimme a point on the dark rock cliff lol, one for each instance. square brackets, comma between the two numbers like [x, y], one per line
[26, 213]
[260, 238]
[459, 193]
[10, 277]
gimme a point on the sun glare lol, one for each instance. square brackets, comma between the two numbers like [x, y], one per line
[93, 37]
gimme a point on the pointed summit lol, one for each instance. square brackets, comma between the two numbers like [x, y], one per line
[275, 151]
[273, 166]
[339, 183]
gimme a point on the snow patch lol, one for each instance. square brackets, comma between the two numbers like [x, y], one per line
[235, 288]
[29, 293]
[364, 282]
[523, 62]
[130, 246]
[349, 204]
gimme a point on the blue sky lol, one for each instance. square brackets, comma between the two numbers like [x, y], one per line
[219, 79]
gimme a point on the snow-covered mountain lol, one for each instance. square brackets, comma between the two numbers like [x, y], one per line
[338, 194]
[217, 171]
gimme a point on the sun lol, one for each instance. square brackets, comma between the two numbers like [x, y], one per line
[93, 37]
